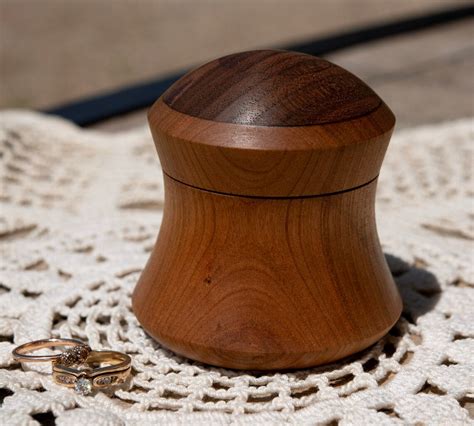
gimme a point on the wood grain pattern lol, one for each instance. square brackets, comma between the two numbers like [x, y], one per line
[271, 88]
[271, 161]
[268, 256]
[264, 283]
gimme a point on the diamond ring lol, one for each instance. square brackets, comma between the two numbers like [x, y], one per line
[101, 369]
[77, 354]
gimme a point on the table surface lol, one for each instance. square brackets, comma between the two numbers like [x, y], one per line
[79, 215]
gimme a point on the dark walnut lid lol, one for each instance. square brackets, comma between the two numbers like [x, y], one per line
[271, 123]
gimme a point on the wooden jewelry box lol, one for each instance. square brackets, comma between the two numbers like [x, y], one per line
[268, 255]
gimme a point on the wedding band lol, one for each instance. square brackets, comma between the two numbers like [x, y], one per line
[76, 355]
[91, 374]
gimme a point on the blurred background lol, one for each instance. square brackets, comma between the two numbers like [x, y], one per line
[55, 51]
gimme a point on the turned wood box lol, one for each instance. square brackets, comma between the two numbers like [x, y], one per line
[268, 255]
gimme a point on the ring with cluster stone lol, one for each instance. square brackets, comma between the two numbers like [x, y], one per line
[77, 354]
[101, 369]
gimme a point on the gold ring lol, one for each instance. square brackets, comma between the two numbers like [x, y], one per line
[92, 374]
[76, 355]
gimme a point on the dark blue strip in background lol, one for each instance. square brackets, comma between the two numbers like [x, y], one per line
[108, 105]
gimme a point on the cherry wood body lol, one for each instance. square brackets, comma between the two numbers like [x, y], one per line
[268, 256]
[255, 283]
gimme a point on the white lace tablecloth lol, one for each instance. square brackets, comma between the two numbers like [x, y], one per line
[80, 211]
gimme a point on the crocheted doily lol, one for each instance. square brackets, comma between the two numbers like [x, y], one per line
[80, 213]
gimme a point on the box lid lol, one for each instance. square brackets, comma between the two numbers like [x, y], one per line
[271, 123]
